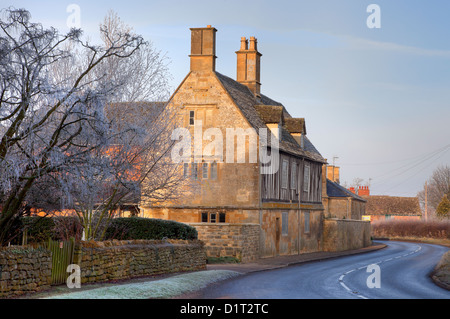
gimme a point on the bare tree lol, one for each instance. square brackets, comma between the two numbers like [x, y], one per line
[438, 185]
[146, 72]
[357, 181]
[49, 124]
[135, 164]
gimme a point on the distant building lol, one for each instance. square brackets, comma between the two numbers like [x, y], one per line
[381, 207]
[340, 202]
[393, 207]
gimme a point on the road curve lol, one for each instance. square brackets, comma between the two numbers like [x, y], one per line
[399, 271]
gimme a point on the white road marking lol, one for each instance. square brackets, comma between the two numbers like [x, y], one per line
[341, 278]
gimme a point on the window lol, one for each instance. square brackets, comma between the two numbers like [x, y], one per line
[186, 169]
[213, 172]
[194, 170]
[212, 217]
[294, 176]
[191, 117]
[284, 224]
[306, 177]
[205, 170]
[284, 174]
[306, 218]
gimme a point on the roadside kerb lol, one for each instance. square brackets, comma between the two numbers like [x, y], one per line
[270, 263]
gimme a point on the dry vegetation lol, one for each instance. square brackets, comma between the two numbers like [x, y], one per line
[433, 230]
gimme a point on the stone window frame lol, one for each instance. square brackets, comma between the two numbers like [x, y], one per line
[213, 170]
[307, 222]
[191, 117]
[194, 170]
[207, 166]
[284, 224]
[186, 169]
[213, 217]
[306, 177]
[293, 175]
[285, 174]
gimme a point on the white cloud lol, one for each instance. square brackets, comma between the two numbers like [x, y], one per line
[365, 44]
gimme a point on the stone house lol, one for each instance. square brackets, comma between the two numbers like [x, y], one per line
[381, 207]
[244, 207]
[340, 202]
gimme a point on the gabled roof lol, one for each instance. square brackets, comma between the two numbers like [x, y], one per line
[259, 111]
[336, 190]
[270, 113]
[295, 125]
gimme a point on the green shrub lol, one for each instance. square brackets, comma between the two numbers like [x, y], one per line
[128, 228]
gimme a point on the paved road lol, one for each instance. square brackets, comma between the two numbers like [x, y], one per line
[403, 273]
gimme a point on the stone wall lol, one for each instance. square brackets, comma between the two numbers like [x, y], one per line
[346, 234]
[24, 269]
[344, 207]
[240, 241]
[112, 260]
[304, 232]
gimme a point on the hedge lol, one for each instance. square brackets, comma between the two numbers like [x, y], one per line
[128, 228]
[41, 229]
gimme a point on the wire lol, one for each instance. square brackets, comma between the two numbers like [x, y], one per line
[396, 161]
[417, 172]
[414, 164]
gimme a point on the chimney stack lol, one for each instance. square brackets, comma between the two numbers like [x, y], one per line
[203, 49]
[333, 173]
[363, 191]
[249, 66]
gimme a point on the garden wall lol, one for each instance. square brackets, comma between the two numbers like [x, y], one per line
[24, 269]
[346, 234]
[240, 241]
[112, 260]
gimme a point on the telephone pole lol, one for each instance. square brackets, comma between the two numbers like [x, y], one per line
[426, 201]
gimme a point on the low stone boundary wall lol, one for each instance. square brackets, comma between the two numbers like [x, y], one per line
[24, 269]
[240, 241]
[346, 234]
[112, 260]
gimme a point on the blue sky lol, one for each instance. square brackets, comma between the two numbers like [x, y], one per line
[378, 99]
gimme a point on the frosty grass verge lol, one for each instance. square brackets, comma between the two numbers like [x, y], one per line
[165, 288]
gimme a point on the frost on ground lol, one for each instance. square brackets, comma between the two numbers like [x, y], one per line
[165, 288]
